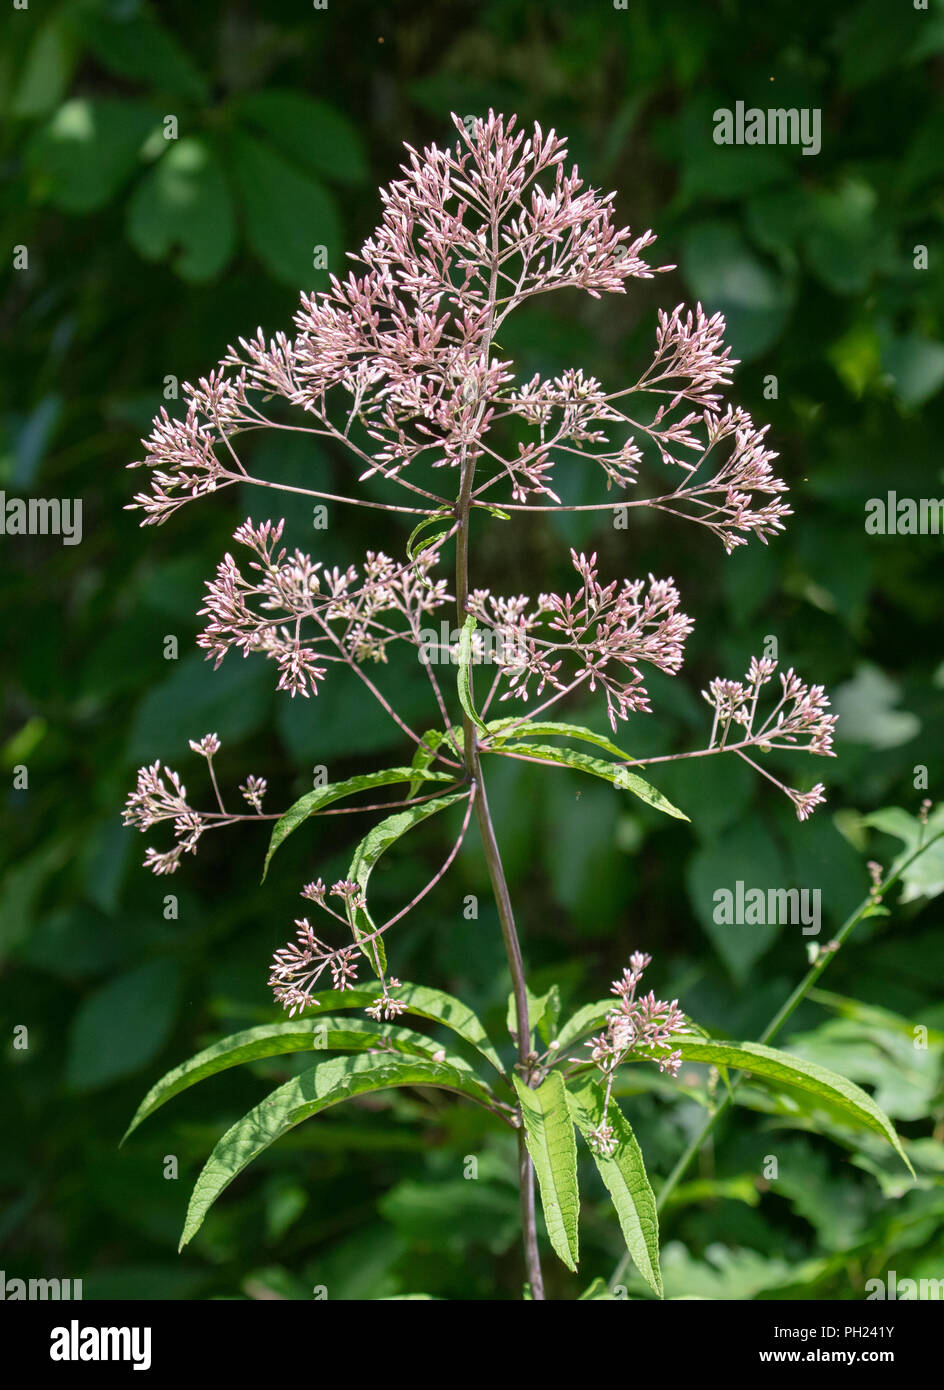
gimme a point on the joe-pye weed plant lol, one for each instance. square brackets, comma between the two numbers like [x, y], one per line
[400, 367]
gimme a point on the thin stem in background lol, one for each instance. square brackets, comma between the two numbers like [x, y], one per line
[770, 1032]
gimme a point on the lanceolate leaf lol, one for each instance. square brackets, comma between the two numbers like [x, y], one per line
[323, 1085]
[541, 728]
[771, 1065]
[312, 1033]
[872, 1016]
[585, 1020]
[373, 845]
[464, 679]
[583, 762]
[274, 1039]
[624, 1174]
[425, 753]
[334, 791]
[415, 545]
[444, 1008]
[549, 1132]
[543, 1013]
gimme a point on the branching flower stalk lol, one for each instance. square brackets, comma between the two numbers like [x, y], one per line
[399, 369]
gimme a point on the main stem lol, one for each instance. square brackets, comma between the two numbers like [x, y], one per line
[506, 916]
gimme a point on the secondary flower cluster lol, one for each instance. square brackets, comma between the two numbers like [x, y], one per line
[297, 967]
[635, 1025]
[349, 614]
[160, 795]
[799, 719]
[605, 631]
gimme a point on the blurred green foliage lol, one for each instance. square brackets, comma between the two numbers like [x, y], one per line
[146, 256]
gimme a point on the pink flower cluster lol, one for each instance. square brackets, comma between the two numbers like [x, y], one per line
[603, 630]
[160, 795]
[636, 1025]
[297, 967]
[349, 616]
[799, 719]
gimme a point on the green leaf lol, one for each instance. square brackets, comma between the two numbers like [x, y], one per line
[845, 241]
[326, 1084]
[347, 720]
[307, 131]
[549, 1133]
[436, 1005]
[621, 777]
[773, 1065]
[924, 878]
[747, 853]
[182, 211]
[233, 701]
[597, 1292]
[866, 706]
[47, 71]
[735, 1189]
[288, 214]
[423, 757]
[122, 1025]
[624, 1174]
[315, 1032]
[916, 367]
[540, 728]
[314, 801]
[432, 1004]
[548, 1012]
[872, 1015]
[83, 155]
[585, 1020]
[440, 1217]
[724, 273]
[375, 843]
[413, 545]
[543, 1013]
[464, 679]
[136, 47]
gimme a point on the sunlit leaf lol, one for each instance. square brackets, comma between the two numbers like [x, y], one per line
[89, 148]
[621, 777]
[549, 1131]
[624, 1174]
[182, 211]
[312, 1033]
[775, 1066]
[314, 801]
[326, 1084]
[464, 679]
